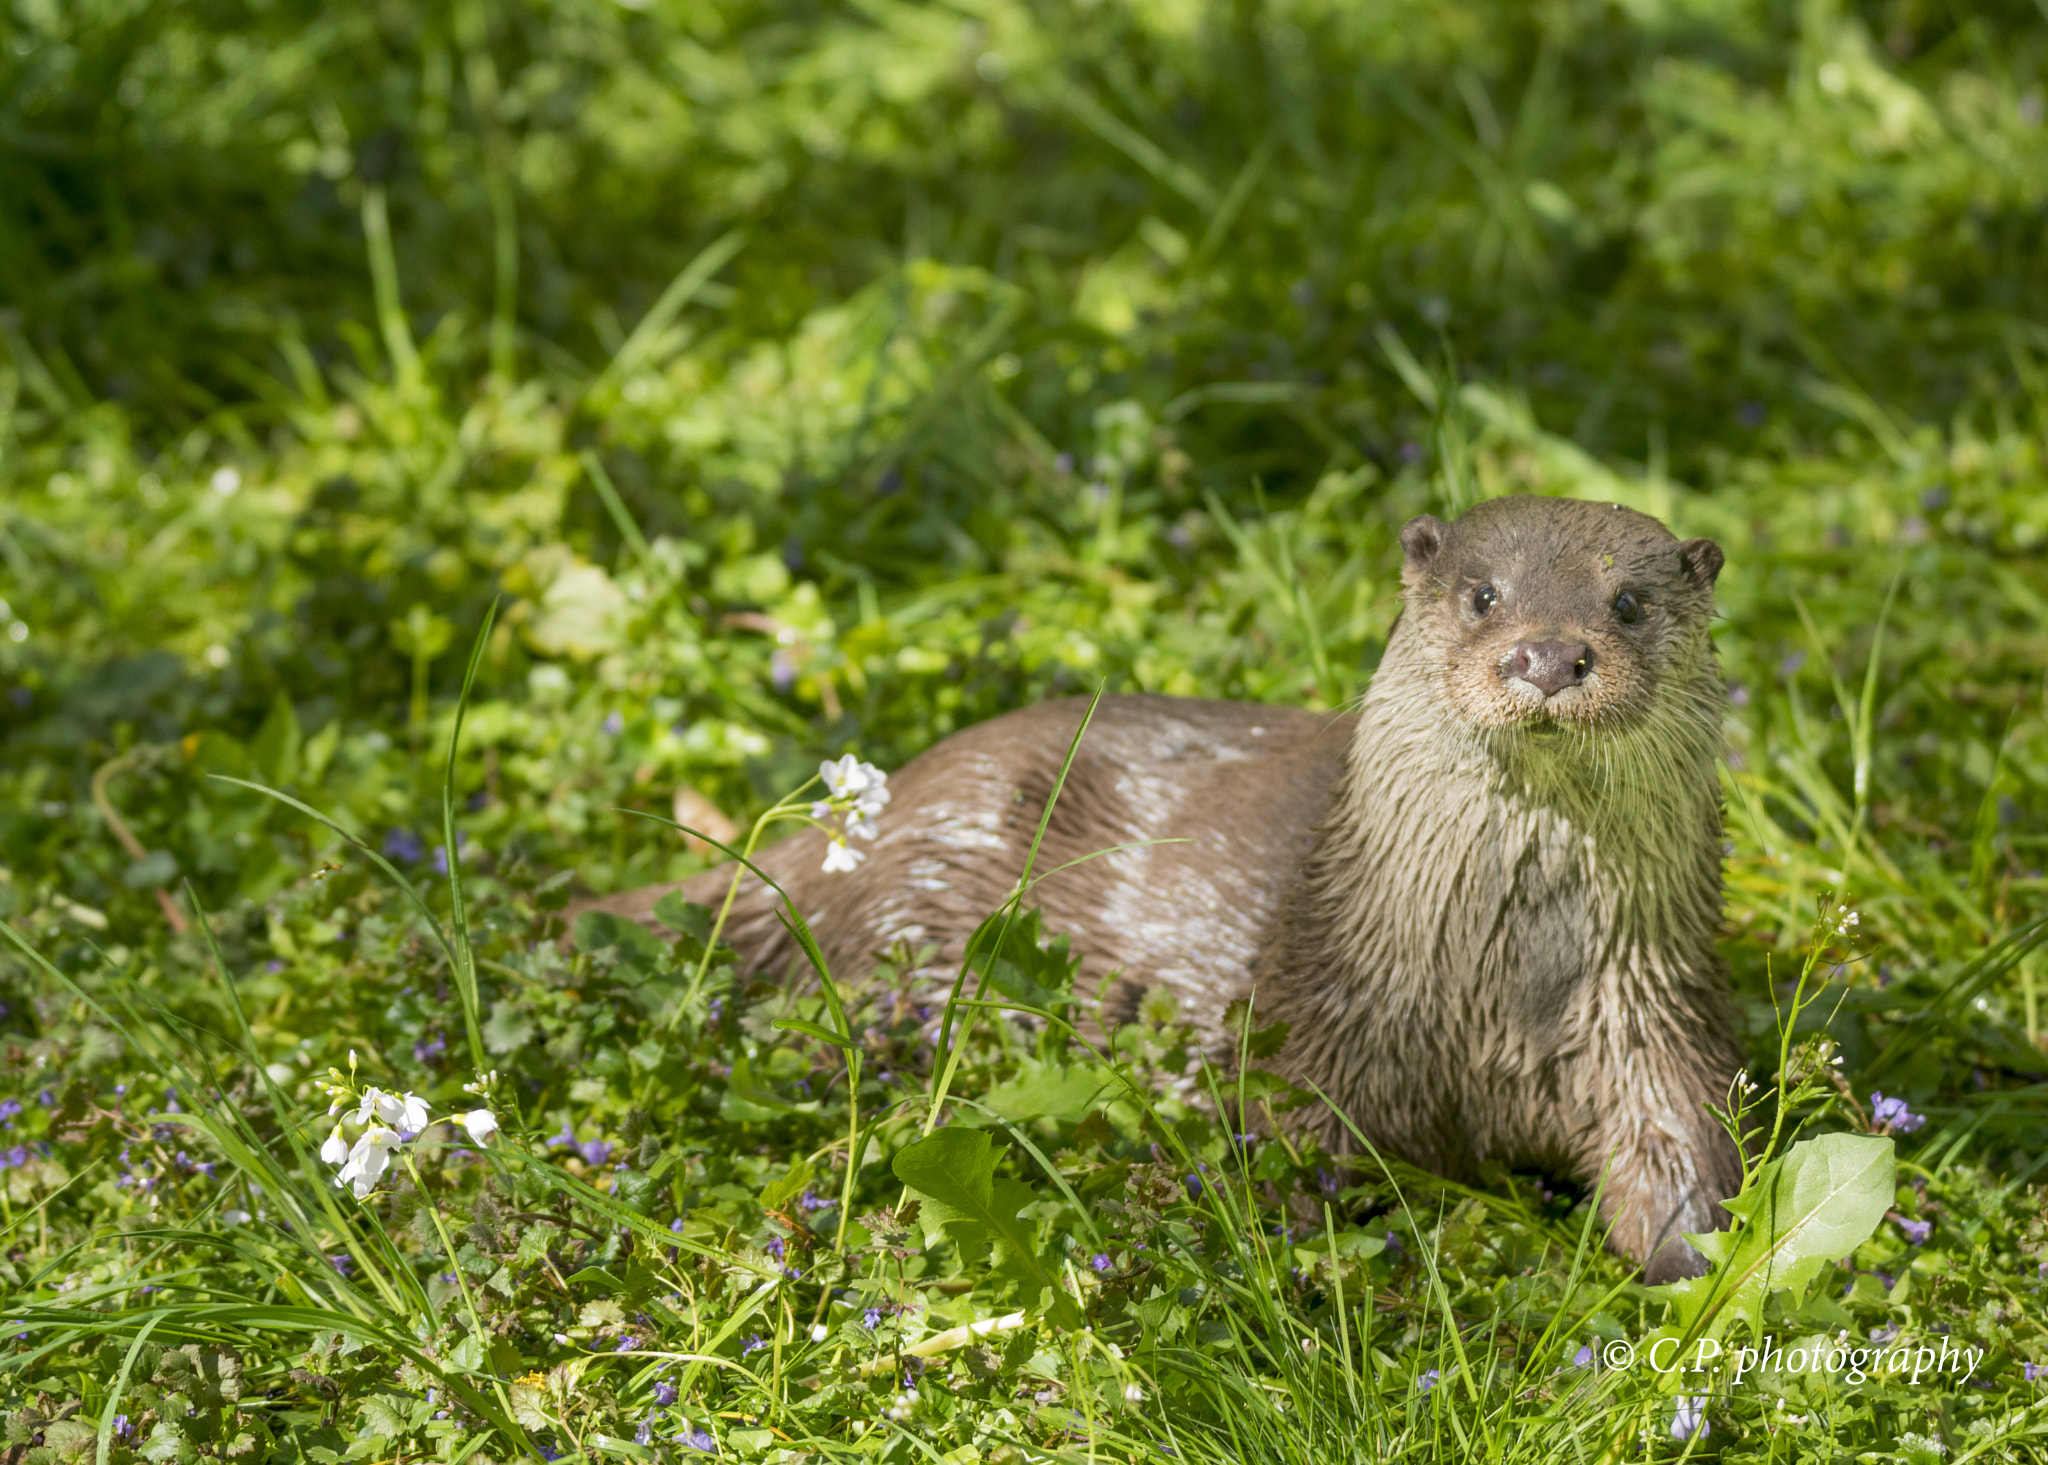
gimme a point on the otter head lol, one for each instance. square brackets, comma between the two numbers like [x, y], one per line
[1549, 614]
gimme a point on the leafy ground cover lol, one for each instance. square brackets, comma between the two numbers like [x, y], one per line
[796, 381]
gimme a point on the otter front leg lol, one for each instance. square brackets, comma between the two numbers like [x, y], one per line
[1663, 1162]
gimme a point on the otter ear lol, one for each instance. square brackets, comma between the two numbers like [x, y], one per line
[1421, 539]
[1702, 561]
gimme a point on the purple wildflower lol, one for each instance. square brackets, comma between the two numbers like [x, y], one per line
[342, 1262]
[595, 1151]
[614, 724]
[1917, 1232]
[698, 1440]
[1893, 1114]
[644, 1435]
[404, 846]
[1584, 1357]
[2035, 1371]
[426, 1050]
[812, 1201]
[14, 1157]
[752, 1343]
[1194, 1186]
[1690, 1419]
[627, 1344]
[871, 1319]
[664, 1393]
[1427, 1381]
[566, 1139]
[776, 1247]
[1101, 1262]
[8, 1109]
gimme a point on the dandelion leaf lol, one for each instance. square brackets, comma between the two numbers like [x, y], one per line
[1820, 1201]
[952, 1173]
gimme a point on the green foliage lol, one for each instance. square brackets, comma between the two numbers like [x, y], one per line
[1818, 1202]
[798, 379]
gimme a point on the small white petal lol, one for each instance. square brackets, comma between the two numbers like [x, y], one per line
[372, 1105]
[413, 1113]
[481, 1124]
[838, 857]
[819, 1332]
[335, 1151]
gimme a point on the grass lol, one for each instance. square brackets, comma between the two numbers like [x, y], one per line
[795, 381]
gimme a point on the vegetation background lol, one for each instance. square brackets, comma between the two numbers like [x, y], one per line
[802, 378]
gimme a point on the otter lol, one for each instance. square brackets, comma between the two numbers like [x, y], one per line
[1485, 902]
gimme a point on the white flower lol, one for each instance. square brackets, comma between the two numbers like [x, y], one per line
[854, 794]
[336, 1149]
[1134, 1394]
[370, 1158]
[819, 1332]
[851, 781]
[235, 1217]
[481, 1124]
[1690, 1419]
[401, 1111]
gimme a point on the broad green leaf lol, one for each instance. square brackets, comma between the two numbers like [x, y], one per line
[168, 1445]
[1817, 1203]
[1028, 968]
[779, 1193]
[952, 1171]
[1059, 1091]
[685, 916]
[380, 1414]
[276, 749]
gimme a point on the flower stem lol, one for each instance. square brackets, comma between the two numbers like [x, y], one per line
[476, 1318]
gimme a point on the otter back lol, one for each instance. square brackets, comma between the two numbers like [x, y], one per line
[1239, 787]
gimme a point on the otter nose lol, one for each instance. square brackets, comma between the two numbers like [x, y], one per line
[1551, 666]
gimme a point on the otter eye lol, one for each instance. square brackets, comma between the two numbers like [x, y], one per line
[1484, 599]
[1628, 608]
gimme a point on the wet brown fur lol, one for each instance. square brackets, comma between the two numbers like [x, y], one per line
[1487, 914]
